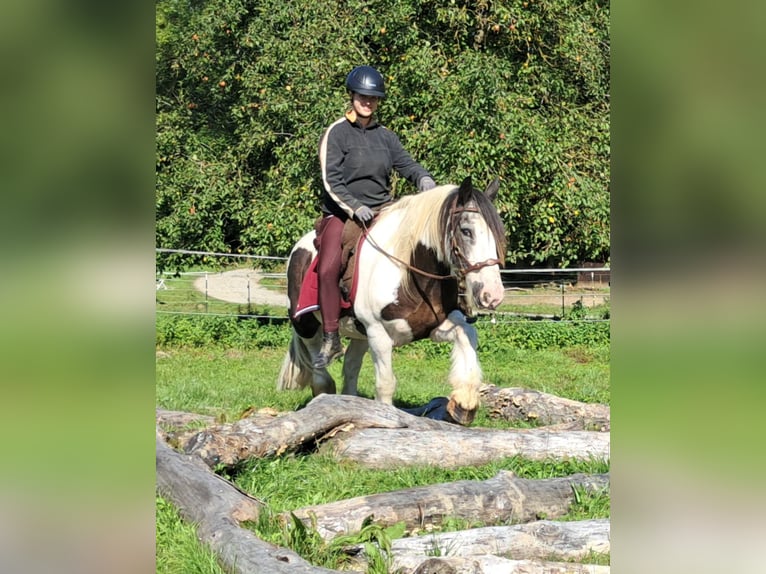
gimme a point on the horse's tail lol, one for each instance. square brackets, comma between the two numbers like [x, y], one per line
[296, 371]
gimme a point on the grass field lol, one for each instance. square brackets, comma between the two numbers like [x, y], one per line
[224, 381]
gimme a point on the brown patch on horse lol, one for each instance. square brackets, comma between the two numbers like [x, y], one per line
[306, 325]
[428, 301]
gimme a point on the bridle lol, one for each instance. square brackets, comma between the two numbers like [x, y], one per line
[465, 266]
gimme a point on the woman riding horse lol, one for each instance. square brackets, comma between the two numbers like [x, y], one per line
[357, 156]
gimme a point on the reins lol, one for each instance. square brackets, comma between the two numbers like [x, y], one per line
[365, 232]
[466, 266]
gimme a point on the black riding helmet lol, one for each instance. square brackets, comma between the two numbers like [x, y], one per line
[366, 80]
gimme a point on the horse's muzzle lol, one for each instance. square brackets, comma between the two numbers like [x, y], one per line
[488, 299]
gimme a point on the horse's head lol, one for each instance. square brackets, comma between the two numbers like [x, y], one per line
[475, 241]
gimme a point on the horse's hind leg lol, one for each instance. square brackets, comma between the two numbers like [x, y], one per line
[465, 375]
[298, 372]
[352, 364]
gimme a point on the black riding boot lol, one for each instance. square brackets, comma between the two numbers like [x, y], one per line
[331, 350]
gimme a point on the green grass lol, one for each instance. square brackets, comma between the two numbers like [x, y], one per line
[178, 550]
[239, 372]
[225, 382]
[294, 481]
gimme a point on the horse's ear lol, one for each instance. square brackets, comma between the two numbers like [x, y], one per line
[465, 192]
[492, 189]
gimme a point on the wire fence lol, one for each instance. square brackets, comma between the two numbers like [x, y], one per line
[235, 288]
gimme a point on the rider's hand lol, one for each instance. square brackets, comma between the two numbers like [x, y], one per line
[364, 214]
[426, 183]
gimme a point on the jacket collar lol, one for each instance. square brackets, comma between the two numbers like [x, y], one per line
[351, 116]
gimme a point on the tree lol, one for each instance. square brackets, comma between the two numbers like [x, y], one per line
[517, 89]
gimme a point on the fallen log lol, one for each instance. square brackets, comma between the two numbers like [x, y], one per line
[217, 508]
[183, 427]
[502, 498]
[497, 565]
[178, 420]
[229, 444]
[518, 404]
[538, 540]
[456, 447]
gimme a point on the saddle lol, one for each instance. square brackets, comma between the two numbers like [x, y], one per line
[351, 240]
[308, 299]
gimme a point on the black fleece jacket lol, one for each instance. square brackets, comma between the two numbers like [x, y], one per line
[356, 165]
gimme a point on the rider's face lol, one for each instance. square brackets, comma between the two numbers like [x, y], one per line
[364, 106]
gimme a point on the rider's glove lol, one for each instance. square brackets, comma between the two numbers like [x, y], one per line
[364, 214]
[426, 183]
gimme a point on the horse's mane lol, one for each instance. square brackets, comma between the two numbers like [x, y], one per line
[421, 222]
[425, 218]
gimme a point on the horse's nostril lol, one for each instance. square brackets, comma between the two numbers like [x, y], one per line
[490, 301]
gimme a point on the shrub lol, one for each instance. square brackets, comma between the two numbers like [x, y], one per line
[200, 331]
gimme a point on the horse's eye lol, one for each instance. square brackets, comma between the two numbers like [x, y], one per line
[467, 233]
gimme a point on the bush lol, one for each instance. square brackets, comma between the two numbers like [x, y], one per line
[247, 333]
[543, 334]
[201, 331]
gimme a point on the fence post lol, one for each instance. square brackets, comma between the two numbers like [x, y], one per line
[562, 300]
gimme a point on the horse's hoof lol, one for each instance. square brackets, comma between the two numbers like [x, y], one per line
[460, 415]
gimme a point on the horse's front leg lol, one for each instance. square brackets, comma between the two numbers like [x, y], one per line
[465, 375]
[352, 364]
[381, 348]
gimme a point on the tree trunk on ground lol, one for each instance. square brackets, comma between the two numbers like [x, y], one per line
[452, 448]
[539, 540]
[517, 404]
[175, 420]
[217, 508]
[229, 444]
[497, 565]
[499, 499]
[183, 427]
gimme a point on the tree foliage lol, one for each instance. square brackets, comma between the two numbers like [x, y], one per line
[513, 88]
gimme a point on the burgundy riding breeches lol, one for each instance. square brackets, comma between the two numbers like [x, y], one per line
[328, 242]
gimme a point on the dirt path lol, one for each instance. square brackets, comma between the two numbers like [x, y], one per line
[240, 286]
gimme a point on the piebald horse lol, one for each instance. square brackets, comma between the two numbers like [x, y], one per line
[428, 262]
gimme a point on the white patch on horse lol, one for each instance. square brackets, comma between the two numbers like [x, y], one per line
[400, 332]
[306, 242]
[456, 320]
